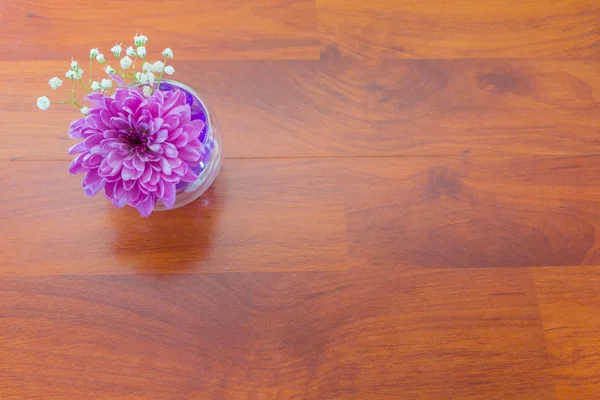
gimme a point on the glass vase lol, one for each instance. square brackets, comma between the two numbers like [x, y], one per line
[209, 167]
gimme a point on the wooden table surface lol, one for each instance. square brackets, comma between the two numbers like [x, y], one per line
[407, 209]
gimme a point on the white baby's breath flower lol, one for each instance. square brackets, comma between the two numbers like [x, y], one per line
[116, 50]
[70, 74]
[43, 103]
[141, 51]
[74, 65]
[158, 66]
[147, 66]
[55, 82]
[126, 62]
[84, 110]
[100, 58]
[169, 70]
[94, 53]
[168, 53]
[150, 77]
[141, 77]
[110, 70]
[147, 91]
[130, 51]
[140, 40]
[78, 73]
[96, 86]
[106, 84]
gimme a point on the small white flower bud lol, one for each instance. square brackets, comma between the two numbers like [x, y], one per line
[130, 51]
[140, 40]
[110, 70]
[141, 78]
[169, 70]
[74, 65]
[158, 66]
[94, 53]
[84, 110]
[167, 53]
[78, 73]
[147, 91]
[70, 74]
[116, 50]
[147, 66]
[100, 58]
[150, 77]
[43, 103]
[106, 84]
[96, 86]
[141, 51]
[55, 82]
[126, 62]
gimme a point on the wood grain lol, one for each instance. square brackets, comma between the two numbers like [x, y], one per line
[309, 214]
[452, 29]
[272, 215]
[274, 335]
[569, 302]
[211, 29]
[338, 107]
[471, 212]
[407, 210]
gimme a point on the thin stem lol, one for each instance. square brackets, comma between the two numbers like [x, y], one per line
[84, 85]
[91, 72]
[72, 102]
[161, 74]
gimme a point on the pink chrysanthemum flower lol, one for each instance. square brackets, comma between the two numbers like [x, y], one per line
[137, 149]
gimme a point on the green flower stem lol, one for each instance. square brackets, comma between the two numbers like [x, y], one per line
[161, 73]
[85, 86]
[69, 102]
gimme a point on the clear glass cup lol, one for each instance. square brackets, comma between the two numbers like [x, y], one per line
[211, 138]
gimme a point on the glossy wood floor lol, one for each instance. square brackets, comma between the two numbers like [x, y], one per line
[408, 208]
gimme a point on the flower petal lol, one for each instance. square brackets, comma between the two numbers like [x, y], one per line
[198, 126]
[146, 206]
[92, 183]
[190, 176]
[169, 150]
[161, 136]
[166, 167]
[94, 140]
[76, 128]
[78, 148]
[133, 194]
[76, 166]
[95, 98]
[178, 110]
[169, 195]
[174, 162]
[189, 155]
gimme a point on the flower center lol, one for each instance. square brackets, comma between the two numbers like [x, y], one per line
[136, 141]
